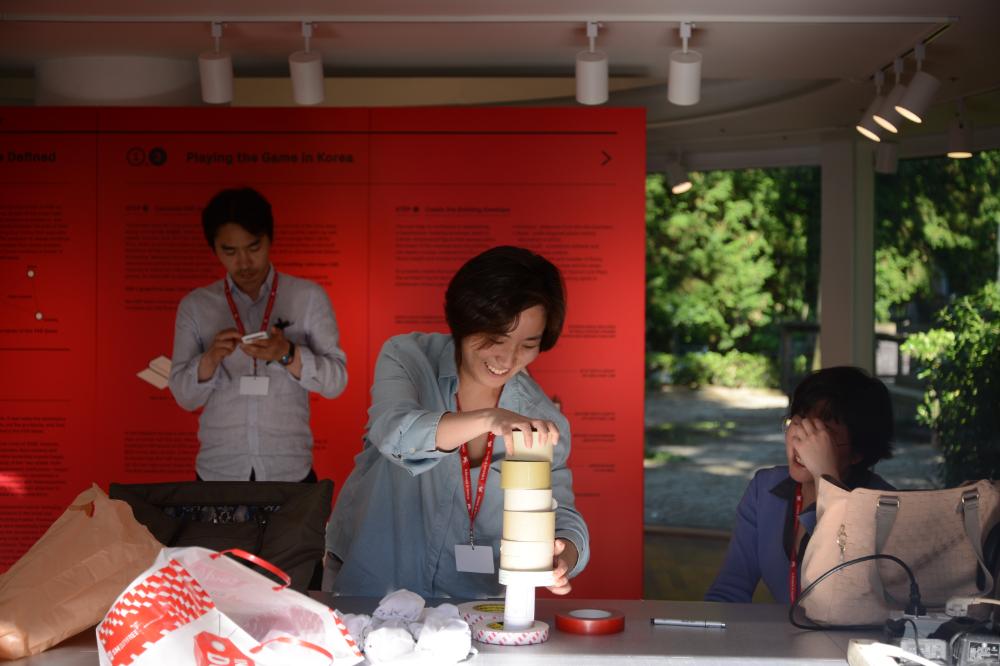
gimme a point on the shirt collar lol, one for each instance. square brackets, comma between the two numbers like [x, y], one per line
[856, 478]
[265, 288]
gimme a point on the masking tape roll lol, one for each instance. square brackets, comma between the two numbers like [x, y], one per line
[521, 499]
[591, 621]
[538, 450]
[526, 555]
[529, 525]
[530, 474]
[480, 611]
[494, 634]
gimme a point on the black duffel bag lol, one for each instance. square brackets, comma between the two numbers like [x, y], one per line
[282, 522]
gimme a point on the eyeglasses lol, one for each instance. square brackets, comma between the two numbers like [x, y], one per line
[786, 423]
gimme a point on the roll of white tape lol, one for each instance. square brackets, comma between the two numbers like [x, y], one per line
[521, 499]
[480, 611]
[526, 555]
[532, 578]
[537, 450]
[530, 474]
[529, 525]
[494, 634]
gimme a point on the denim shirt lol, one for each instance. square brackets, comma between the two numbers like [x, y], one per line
[762, 538]
[269, 434]
[402, 509]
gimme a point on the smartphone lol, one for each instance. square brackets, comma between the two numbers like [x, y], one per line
[250, 337]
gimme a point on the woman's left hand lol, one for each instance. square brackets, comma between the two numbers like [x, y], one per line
[564, 558]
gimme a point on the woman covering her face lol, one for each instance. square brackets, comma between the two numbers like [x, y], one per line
[839, 425]
[402, 519]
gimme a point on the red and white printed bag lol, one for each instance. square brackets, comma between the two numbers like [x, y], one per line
[195, 606]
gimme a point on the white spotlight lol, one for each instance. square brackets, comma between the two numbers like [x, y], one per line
[960, 135]
[216, 70]
[887, 157]
[592, 71]
[866, 126]
[684, 85]
[887, 116]
[677, 177]
[919, 93]
[306, 68]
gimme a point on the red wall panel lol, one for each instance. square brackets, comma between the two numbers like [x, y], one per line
[378, 206]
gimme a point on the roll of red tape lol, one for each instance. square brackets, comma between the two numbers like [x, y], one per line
[591, 621]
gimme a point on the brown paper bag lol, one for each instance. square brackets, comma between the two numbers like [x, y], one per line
[67, 581]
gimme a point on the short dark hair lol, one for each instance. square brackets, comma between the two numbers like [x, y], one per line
[492, 289]
[853, 397]
[244, 206]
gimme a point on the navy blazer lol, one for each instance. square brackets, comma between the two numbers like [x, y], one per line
[762, 538]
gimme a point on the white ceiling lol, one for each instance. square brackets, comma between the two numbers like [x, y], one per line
[775, 72]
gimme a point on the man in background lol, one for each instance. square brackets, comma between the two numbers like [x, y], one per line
[249, 349]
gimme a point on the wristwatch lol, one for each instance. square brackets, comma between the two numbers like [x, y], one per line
[289, 356]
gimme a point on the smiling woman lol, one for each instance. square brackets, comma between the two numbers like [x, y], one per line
[402, 519]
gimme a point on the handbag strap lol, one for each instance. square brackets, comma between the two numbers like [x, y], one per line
[970, 512]
[885, 516]
[886, 509]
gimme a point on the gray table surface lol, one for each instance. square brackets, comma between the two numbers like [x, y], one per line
[754, 634]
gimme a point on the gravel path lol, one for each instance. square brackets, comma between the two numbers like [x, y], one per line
[703, 446]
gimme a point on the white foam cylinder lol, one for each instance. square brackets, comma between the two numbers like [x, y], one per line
[116, 81]
[216, 71]
[519, 607]
[684, 84]
[591, 77]
[306, 68]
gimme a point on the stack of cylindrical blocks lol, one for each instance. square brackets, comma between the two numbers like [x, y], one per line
[529, 530]
[529, 517]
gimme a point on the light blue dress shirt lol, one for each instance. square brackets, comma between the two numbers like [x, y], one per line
[402, 510]
[269, 434]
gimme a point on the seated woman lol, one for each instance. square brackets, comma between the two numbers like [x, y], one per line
[438, 402]
[839, 425]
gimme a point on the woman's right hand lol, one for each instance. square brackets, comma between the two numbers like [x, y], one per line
[503, 423]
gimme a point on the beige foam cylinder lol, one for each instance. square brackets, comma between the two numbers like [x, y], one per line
[520, 499]
[526, 555]
[537, 451]
[529, 525]
[529, 474]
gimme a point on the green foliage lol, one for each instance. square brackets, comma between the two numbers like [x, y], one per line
[962, 369]
[728, 261]
[936, 232]
[734, 369]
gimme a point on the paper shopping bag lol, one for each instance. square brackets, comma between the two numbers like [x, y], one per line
[68, 579]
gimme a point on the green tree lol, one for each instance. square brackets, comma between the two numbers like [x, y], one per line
[936, 232]
[961, 360]
[729, 260]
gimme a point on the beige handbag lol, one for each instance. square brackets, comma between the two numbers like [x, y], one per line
[939, 534]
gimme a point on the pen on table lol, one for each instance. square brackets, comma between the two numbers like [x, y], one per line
[701, 624]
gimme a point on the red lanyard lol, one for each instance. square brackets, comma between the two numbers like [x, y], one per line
[484, 471]
[267, 310]
[793, 564]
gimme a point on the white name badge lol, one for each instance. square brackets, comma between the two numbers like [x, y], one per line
[474, 559]
[250, 385]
